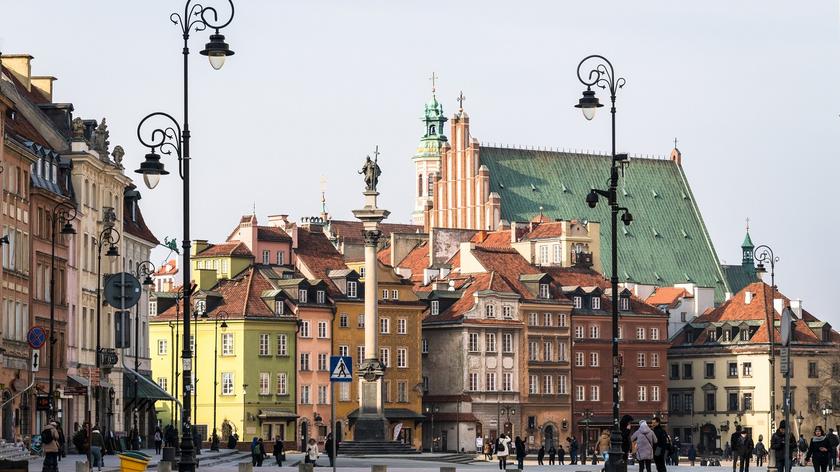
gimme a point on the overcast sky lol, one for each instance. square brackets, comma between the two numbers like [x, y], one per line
[749, 88]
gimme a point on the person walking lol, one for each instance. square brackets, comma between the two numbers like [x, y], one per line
[255, 451]
[328, 446]
[573, 450]
[692, 454]
[49, 444]
[521, 452]
[624, 425]
[541, 455]
[734, 445]
[645, 440]
[561, 456]
[777, 444]
[158, 441]
[662, 448]
[502, 451]
[262, 453]
[745, 450]
[602, 447]
[676, 449]
[488, 450]
[833, 442]
[97, 445]
[819, 451]
[760, 451]
[279, 451]
[311, 452]
[62, 441]
[552, 453]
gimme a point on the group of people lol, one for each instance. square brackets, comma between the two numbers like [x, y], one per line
[311, 452]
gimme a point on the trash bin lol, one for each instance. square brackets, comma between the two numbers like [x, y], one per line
[133, 461]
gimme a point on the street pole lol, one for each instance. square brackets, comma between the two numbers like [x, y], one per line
[603, 75]
[764, 254]
[143, 270]
[223, 315]
[112, 236]
[66, 212]
[334, 433]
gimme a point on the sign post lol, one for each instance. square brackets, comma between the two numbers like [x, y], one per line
[36, 361]
[341, 370]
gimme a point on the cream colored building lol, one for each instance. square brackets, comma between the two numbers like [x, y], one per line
[719, 371]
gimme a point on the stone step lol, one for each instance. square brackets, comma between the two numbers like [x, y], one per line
[360, 448]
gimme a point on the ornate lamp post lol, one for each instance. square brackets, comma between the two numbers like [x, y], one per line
[431, 410]
[826, 412]
[143, 271]
[603, 76]
[172, 137]
[111, 237]
[763, 254]
[220, 316]
[587, 418]
[62, 212]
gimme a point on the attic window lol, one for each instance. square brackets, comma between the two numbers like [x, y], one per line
[352, 289]
[534, 188]
[544, 292]
[321, 297]
[578, 300]
[625, 230]
[655, 233]
[302, 295]
[712, 335]
[684, 196]
[563, 188]
[279, 307]
[687, 278]
[745, 335]
[435, 307]
[748, 296]
[727, 335]
[361, 271]
[624, 191]
[624, 303]
[656, 274]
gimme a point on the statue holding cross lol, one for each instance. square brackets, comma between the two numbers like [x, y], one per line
[461, 99]
[371, 171]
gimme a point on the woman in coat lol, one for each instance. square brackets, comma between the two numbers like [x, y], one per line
[819, 451]
[502, 451]
[311, 452]
[645, 441]
[521, 452]
[603, 446]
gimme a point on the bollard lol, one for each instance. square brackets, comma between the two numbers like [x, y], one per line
[379, 468]
[164, 466]
[168, 455]
[82, 466]
[246, 467]
[447, 469]
[304, 467]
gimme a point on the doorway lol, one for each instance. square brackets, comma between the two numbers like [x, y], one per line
[548, 437]
[708, 439]
[304, 435]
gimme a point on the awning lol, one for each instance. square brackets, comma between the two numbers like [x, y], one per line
[393, 414]
[144, 389]
[276, 413]
[81, 381]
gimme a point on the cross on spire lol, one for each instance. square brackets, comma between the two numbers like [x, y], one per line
[376, 153]
[748, 224]
[675, 143]
[433, 78]
[461, 99]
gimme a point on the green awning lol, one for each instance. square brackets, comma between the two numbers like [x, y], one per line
[145, 390]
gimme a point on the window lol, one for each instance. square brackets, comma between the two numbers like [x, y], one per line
[384, 325]
[322, 362]
[654, 359]
[265, 379]
[402, 358]
[402, 326]
[687, 371]
[732, 401]
[507, 342]
[385, 294]
[579, 359]
[304, 361]
[266, 255]
[533, 350]
[578, 301]
[344, 350]
[435, 307]
[593, 359]
[402, 391]
[710, 370]
[153, 308]
[533, 384]
[352, 288]
[624, 303]
[360, 322]
[533, 319]
[812, 370]
[304, 394]
[562, 385]
[385, 356]
[654, 334]
[304, 329]
[727, 335]
[360, 354]
[344, 391]
[472, 345]
[491, 381]
[579, 331]
[227, 344]
[562, 352]
[321, 297]
[162, 347]
[675, 371]
[548, 319]
[473, 381]
[227, 383]
[302, 295]
[747, 369]
[557, 253]
[548, 384]
[282, 345]
[425, 346]
[361, 272]
[548, 351]
[640, 359]
[688, 403]
[544, 291]
[490, 310]
[507, 312]
[642, 393]
[490, 342]
[748, 404]
[395, 294]
[322, 329]
[263, 344]
[386, 391]
[596, 303]
[322, 394]
[507, 381]
[745, 335]
[594, 331]
[594, 393]
[342, 321]
[564, 320]
[640, 333]
[710, 401]
[580, 393]
[675, 403]
[163, 383]
[732, 369]
[280, 258]
[279, 307]
[654, 393]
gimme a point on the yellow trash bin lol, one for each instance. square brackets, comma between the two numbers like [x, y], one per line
[133, 463]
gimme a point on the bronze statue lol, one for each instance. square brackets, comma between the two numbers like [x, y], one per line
[371, 172]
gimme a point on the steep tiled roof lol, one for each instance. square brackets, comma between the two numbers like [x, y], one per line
[667, 238]
[666, 296]
[546, 230]
[384, 255]
[137, 226]
[240, 296]
[508, 264]
[351, 231]
[583, 277]
[492, 239]
[272, 234]
[319, 256]
[235, 248]
[736, 308]
[739, 276]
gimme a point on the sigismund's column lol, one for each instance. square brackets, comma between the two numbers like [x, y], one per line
[371, 424]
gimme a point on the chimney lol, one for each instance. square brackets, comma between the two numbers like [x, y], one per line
[199, 245]
[796, 307]
[513, 237]
[748, 296]
[779, 305]
[278, 221]
[44, 83]
[20, 66]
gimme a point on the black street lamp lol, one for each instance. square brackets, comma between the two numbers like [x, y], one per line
[826, 412]
[587, 418]
[220, 316]
[763, 254]
[170, 138]
[431, 410]
[603, 76]
[143, 271]
[111, 236]
[62, 212]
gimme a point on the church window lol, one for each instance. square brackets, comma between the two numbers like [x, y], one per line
[432, 129]
[419, 185]
[430, 185]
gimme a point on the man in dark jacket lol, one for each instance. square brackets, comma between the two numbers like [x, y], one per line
[734, 444]
[745, 450]
[662, 448]
[625, 425]
[777, 444]
[833, 442]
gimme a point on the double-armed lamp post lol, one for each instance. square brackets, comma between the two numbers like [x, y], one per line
[63, 212]
[171, 138]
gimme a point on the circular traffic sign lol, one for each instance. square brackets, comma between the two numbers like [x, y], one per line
[36, 337]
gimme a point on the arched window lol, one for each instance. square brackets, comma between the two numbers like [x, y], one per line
[432, 129]
[86, 195]
[419, 185]
[431, 185]
[93, 195]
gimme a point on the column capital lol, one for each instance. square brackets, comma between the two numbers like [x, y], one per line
[372, 237]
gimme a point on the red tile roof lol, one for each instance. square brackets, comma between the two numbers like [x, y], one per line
[318, 254]
[494, 239]
[351, 231]
[667, 296]
[235, 248]
[584, 277]
[169, 267]
[272, 234]
[552, 229]
[240, 296]
[384, 255]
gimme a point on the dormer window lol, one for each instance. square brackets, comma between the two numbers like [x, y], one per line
[266, 256]
[435, 307]
[713, 335]
[578, 300]
[596, 302]
[544, 292]
[321, 297]
[727, 335]
[200, 306]
[507, 312]
[624, 303]
[745, 335]
[279, 307]
[352, 289]
[302, 295]
[490, 310]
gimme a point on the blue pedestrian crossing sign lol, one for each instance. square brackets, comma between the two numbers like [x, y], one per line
[341, 369]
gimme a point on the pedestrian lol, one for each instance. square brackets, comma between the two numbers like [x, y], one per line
[645, 441]
[692, 454]
[279, 451]
[833, 442]
[521, 452]
[170, 435]
[97, 445]
[62, 441]
[777, 444]
[744, 450]
[232, 440]
[561, 456]
[502, 451]
[602, 447]
[132, 439]
[312, 452]
[49, 443]
[263, 454]
[552, 453]
[328, 446]
[541, 455]
[819, 451]
[663, 445]
[573, 450]
[624, 425]
[727, 453]
[760, 451]
[255, 452]
[676, 449]
[488, 451]
[158, 440]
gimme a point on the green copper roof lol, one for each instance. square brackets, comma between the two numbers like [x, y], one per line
[747, 241]
[739, 276]
[667, 242]
[433, 137]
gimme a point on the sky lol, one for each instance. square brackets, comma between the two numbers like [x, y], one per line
[748, 89]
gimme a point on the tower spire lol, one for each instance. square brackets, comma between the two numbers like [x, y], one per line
[433, 78]
[747, 248]
[324, 214]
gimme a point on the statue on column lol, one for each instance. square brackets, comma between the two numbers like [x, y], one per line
[371, 172]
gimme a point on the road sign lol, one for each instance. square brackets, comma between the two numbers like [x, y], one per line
[787, 320]
[785, 364]
[36, 360]
[341, 369]
[122, 290]
[36, 337]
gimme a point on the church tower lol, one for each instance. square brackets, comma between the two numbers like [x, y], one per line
[427, 157]
[747, 248]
